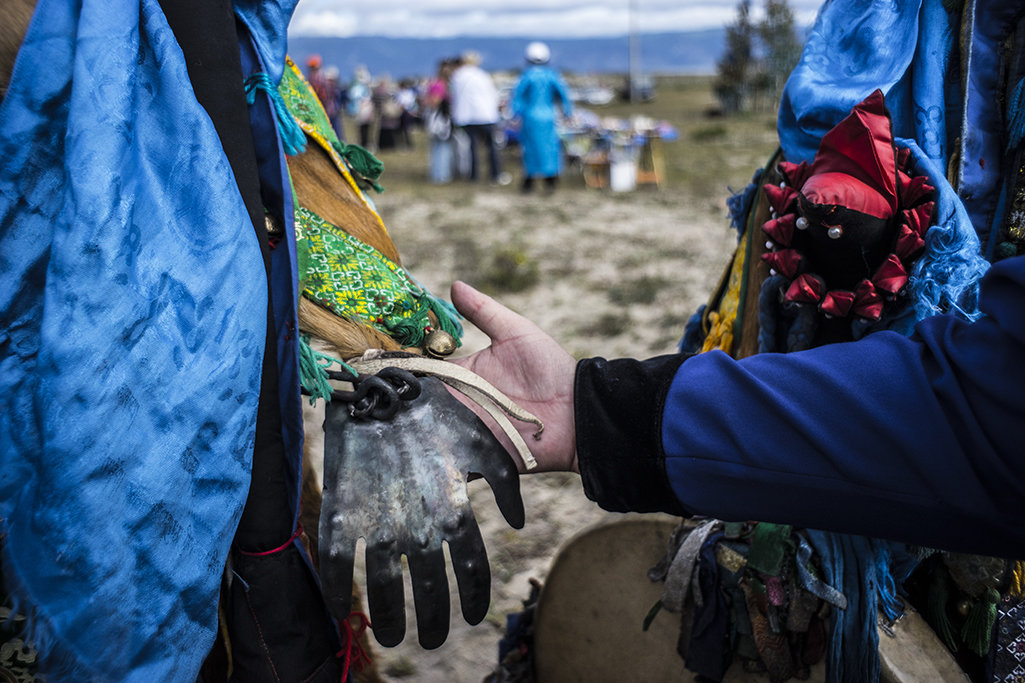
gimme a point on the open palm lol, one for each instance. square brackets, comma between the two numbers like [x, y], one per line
[531, 368]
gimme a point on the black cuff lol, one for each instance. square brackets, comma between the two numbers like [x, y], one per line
[618, 412]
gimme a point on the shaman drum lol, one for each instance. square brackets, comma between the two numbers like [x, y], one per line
[588, 623]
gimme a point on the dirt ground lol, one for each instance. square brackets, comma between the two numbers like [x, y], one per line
[607, 275]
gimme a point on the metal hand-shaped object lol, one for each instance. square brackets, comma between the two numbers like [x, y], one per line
[400, 483]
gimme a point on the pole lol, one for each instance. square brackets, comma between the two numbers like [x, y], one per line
[635, 53]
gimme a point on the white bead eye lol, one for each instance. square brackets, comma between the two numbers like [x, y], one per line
[835, 232]
[802, 223]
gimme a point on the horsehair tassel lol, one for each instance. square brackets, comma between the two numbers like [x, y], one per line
[363, 163]
[473, 386]
[293, 139]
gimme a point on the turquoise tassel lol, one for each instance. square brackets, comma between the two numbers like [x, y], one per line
[313, 367]
[293, 139]
[446, 315]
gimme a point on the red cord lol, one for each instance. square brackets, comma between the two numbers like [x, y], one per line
[298, 532]
[355, 655]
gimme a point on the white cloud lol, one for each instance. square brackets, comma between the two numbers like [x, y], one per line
[324, 23]
[527, 18]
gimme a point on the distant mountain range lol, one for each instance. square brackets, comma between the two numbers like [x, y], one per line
[693, 52]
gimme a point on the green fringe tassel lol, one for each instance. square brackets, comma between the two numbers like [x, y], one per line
[364, 164]
[445, 319]
[939, 596]
[313, 367]
[411, 331]
[1007, 250]
[978, 629]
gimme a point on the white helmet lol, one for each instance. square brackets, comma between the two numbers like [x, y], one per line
[538, 53]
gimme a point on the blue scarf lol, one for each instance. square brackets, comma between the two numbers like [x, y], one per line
[133, 303]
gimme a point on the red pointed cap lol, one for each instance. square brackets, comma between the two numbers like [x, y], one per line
[856, 165]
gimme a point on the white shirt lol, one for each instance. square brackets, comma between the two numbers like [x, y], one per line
[474, 97]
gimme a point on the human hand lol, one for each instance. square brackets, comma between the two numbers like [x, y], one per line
[529, 367]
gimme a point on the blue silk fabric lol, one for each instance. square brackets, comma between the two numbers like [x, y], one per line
[133, 314]
[856, 47]
[905, 49]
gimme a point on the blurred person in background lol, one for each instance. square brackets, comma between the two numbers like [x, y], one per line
[475, 110]
[407, 99]
[361, 104]
[314, 74]
[388, 112]
[334, 99]
[437, 118]
[537, 94]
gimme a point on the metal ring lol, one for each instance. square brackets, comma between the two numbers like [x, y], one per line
[406, 383]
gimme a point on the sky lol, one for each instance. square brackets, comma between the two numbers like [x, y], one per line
[523, 18]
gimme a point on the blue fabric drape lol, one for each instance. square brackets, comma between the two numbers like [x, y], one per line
[852, 49]
[267, 21]
[861, 568]
[133, 303]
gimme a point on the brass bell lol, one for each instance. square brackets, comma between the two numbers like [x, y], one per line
[439, 344]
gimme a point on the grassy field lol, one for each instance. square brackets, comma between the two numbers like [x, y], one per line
[710, 154]
[605, 272]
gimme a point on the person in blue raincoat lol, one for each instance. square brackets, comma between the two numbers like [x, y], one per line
[534, 102]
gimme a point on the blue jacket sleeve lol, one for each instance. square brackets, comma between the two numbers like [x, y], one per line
[914, 439]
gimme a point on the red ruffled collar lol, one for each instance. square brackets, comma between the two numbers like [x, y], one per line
[853, 166]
